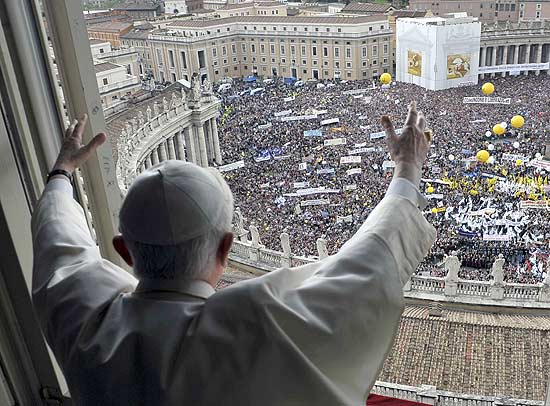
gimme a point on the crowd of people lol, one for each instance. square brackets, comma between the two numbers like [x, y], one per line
[479, 209]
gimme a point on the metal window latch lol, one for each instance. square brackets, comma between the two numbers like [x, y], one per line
[51, 396]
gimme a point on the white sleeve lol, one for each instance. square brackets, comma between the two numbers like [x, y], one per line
[406, 189]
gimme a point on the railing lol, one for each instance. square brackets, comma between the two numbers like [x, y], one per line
[431, 396]
[116, 52]
[420, 287]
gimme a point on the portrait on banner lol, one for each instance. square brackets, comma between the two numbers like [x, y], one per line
[414, 60]
[458, 65]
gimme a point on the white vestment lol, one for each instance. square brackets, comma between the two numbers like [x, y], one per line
[313, 335]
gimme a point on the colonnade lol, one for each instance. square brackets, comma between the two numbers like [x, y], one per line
[198, 143]
[513, 54]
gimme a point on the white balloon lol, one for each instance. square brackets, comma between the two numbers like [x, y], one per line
[516, 144]
[490, 147]
[504, 124]
[538, 155]
[488, 133]
[451, 157]
[491, 160]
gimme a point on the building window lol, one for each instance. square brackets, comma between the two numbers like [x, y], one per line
[339, 30]
[539, 6]
[173, 77]
[364, 52]
[272, 48]
[305, 71]
[105, 82]
[512, 7]
[348, 65]
[303, 49]
[325, 51]
[374, 50]
[386, 47]
[537, 14]
[337, 52]
[183, 60]
[292, 50]
[262, 48]
[171, 58]
[304, 62]
[348, 53]
[252, 48]
[282, 49]
[234, 48]
[337, 64]
[314, 51]
[214, 52]
[328, 29]
[243, 48]
[224, 51]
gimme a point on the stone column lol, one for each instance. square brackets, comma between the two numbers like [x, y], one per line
[494, 59]
[171, 149]
[539, 57]
[190, 145]
[216, 138]
[208, 130]
[516, 54]
[162, 152]
[180, 146]
[148, 162]
[483, 55]
[505, 58]
[527, 57]
[202, 145]
[155, 156]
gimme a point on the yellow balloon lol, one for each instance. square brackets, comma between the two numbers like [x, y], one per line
[482, 156]
[430, 189]
[473, 192]
[488, 88]
[498, 129]
[518, 162]
[385, 78]
[434, 210]
[517, 121]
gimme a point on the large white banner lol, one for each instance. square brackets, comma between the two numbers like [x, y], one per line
[496, 237]
[287, 99]
[283, 113]
[265, 126]
[316, 202]
[486, 100]
[344, 219]
[530, 204]
[301, 185]
[351, 187]
[299, 118]
[330, 121]
[302, 166]
[382, 134]
[354, 159]
[354, 171]
[324, 171]
[514, 67]
[355, 91]
[514, 157]
[334, 141]
[232, 166]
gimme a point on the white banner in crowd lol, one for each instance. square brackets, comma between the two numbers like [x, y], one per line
[265, 126]
[513, 67]
[344, 219]
[324, 171]
[301, 185]
[283, 113]
[287, 99]
[539, 163]
[316, 202]
[299, 118]
[382, 134]
[302, 166]
[330, 121]
[530, 204]
[388, 164]
[353, 171]
[355, 91]
[496, 237]
[360, 145]
[514, 157]
[334, 141]
[348, 188]
[232, 166]
[486, 100]
[262, 158]
[435, 196]
[313, 133]
[350, 160]
[361, 150]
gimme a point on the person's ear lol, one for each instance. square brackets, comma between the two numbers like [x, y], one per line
[122, 249]
[224, 248]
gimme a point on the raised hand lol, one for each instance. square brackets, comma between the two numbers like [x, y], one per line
[410, 148]
[73, 153]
